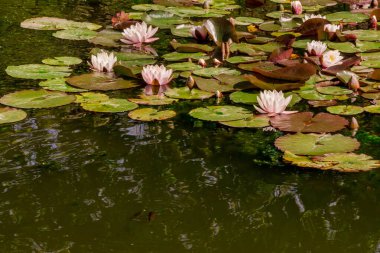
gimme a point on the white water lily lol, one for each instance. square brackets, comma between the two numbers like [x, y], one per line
[311, 16]
[138, 34]
[296, 7]
[316, 48]
[156, 74]
[331, 28]
[103, 62]
[199, 33]
[273, 103]
[331, 58]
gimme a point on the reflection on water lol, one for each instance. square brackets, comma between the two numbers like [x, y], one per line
[73, 181]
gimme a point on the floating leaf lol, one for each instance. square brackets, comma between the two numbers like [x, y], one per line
[349, 162]
[321, 103]
[62, 61]
[100, 81]
[347, 17]
[245, 48]
[367, 35]
[175, 56]
[107, 38]
[111, 105]
[36, 99]
[333, 90]
[209, 72]
[220, 113]
[52, 23]
[298, 72]
[191, 47]
[305, 122]
[91, 97]
[213, 85]
[316, 144]
[153, 100]
[245, 59]
[163, 19]
[75, 34]
[271, 84]
[184, 66]
[372, 109]
[312, 94]
[38, 71]
[254, 121]
[248, 20]
[269, 27]
[182, 31]
[59, 84]
[344, 47]
[150, 114]
[148, 7]
[9, 115]
[345, 109]
[185, 93]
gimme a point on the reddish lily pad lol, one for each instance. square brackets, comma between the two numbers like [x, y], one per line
[265, 83]
[322, 103]
[298, 72]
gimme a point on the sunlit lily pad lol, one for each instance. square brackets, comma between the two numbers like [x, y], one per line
[100, 81]
[209, 72]
[344, 47]
[125, 56]
[312, 94]
[316, 144]
[91, 97]
[153, 100]
[163, 19]
[346, 16]
[59, 84]
[371, 63]
[254, 121]
[245, 48]
[38, 71]
[185, 93]
[301, 44]
[245, 59]
[269, 27]
[367, 35]
[183, 66]
[148, 7]
[334, 90]
[62, 61]
[75, 34]
[220, 113]
[349, 162]
[265, 83]
[182, 31]
[191, 47]
[305, 122]
[175, 56]
[372, 109]
[36, 99]
[150, 114]
[248, 20]
[111, 105]
[52, 23]
[107, 38]
[9, 115]
[345, 109]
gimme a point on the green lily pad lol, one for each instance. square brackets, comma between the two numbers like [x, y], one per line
[112, 105]
[212, 85]
[248, 20]
[367, 35]
[195, 11]
[153, 100]
[184, 66]
[59, 84]
[38, 71]
[334, 90]
[312, 94]
[268, 47]
[52, 23]
[269, 27]
[346, 16]
[100, 81]
[316, 144]
[250, 97]
[368, 45]
[220, 113]
[125, 56]
[9, 115]
[107, 38]
[272, 84]
[148, 7]
[75, 34]
[62, 61]
[348, 162]
[91, 97]
[183, 31]
[345, 109]
[191, 47]
[185, 93]
[254, 121]
[305, 122]
[371, 63]
[301, 44]
[344, 47]
[150, 114]
[245, 48]
[276, 14]
[372, 109]
[245, 59]
[209, 72]
[36, 99]
[175, 56]
[163, 19]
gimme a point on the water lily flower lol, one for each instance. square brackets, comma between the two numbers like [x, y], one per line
[331, 28]
[296, 7]
[156, 75]
[311, 16]
[202, 62]
[373, 22]
[331, 58]
[316, 48]
[273, 103]
[354, 83]
[199, 33]
[103, 62]
[138, 34]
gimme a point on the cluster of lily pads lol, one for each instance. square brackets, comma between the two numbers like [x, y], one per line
[329, 60]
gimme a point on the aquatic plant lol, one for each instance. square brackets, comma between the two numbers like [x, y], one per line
[311, 16]
[103, 62]
[316, 48]
[139, 34]
[296, 7]
[199, 33]
[273, 103]
[156, 75]
[331, 58]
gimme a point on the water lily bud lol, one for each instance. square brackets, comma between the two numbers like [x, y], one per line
[202, 62]
[354, 126]
[296, 7]
[190, 82]
[354, 84]
[217, 63]
[373, 22]
[190, 60]
[232, 21]
[218, 94]
[281, 7]
[206, 4]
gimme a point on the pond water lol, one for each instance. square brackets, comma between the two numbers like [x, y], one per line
[75, 181]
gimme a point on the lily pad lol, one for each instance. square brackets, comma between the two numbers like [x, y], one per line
[316, 144]
[183, 66]
[153, 100]
[345, 109]
[111, 105]
[107, 38]
[163, 19]
[185, 93]
[272, 84]
[346, 16]
[334, 90]
[9, 115]
[371, 63]
[305, 122]
[254, 121]
[36, 99]
[100, 81]
[312, 94]
[349, 162]
[150, 114]
[183, 31]
[52, 23]
[59, 84]
[62, 61]
[248, 20]
[344, 47]
[38, 71]
[269, 27]
[175, 56]
[367, 35]
[209, 72]
[220, 113]
[213, 85]
[245, 48]
[191, 47]
[125, 56]
[148, 7]
[91, 97]
[245, 59]
[75, 34]
[372, 109]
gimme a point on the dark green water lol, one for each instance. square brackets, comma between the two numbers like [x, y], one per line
[73, 181]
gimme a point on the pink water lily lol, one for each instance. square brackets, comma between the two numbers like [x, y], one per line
[199, 33]
[103, 62]
[138, 34]
[296, 7]
[156, 74]
[273, 103]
